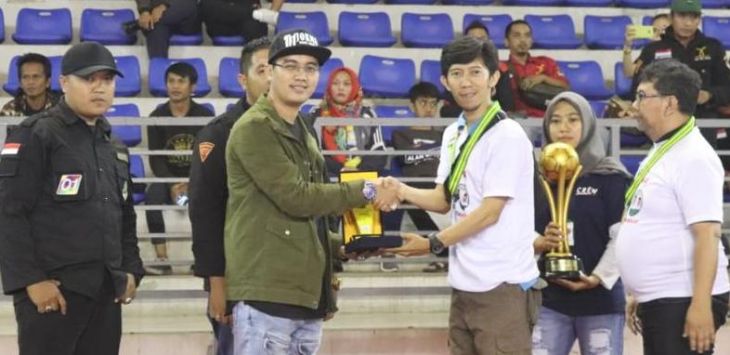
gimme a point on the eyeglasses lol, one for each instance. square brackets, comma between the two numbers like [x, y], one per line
[640, 96]
[291, 68]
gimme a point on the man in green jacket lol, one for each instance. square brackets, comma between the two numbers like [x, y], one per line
[278, 253]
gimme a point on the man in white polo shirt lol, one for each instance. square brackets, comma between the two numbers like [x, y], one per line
[668, 246]
[485, 178]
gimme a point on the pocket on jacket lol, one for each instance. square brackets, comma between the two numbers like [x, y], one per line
[289, 232]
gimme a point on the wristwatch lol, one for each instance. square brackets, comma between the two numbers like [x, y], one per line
[369, 191]
[435, 244]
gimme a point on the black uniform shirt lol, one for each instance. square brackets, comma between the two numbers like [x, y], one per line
[67, 211]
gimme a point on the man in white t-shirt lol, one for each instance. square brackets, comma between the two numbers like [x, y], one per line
[485, 178]
[668, 246]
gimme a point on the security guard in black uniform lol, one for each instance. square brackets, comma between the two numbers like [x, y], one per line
[209, 191]
[684, 42]
[68, 243]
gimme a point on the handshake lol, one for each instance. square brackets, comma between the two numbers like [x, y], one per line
[388, 193]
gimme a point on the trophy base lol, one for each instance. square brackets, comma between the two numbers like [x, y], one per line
[563, 267]
[372, 242]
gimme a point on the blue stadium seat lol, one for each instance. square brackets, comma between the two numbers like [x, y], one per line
[553, 32]
[589, 3]
[387, 77]
[157, 75]
[2, 26]
[717, 27]
[643, 4]
[105, 26]
[410, 2]
[426, 30]
[228, 41]
[179, 39]
[209, 106]
[136, 169]
[131, 83]
[365, 29]
[632, 162]
[130, 135]
[228, 71]
[585, 78]
[307, 108]
[621, 84]
[715, 4]
[314, 22]
[496, 24]
[467, 2]
[43, 26]
[324, 74]
[392, 112]
[12, 86]
[532, 2]
[353, 2]
[605, 32]
[431, 72]
[598, 107]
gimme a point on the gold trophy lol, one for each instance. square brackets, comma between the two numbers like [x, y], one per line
[560, 165]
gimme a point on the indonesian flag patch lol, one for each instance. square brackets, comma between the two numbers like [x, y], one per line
[10, 149]
[663, 54]
[204, 149]
[69, 185]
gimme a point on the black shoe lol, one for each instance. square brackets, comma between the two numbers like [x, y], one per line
[131, 27]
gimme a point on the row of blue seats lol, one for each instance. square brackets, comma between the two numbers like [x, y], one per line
[380, 77]
[638, 4]
[359, 29]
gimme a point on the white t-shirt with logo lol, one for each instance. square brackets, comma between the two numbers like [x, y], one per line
[655, 246]
[500, 165]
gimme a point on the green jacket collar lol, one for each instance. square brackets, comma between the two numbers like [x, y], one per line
[278, 123]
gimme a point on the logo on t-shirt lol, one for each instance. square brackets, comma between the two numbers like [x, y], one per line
[636, 203]
[586, 191]
[460, 200]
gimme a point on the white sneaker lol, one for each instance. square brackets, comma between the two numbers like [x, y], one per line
[266, 16]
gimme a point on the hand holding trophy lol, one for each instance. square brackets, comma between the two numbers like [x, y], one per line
[560, 165]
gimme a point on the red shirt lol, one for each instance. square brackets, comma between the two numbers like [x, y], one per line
[533, 66]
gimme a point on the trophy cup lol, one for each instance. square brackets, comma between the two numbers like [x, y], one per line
[362, 228]
[560, 165]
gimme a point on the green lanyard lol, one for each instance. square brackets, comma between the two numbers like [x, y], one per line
[457, 169]
[658, 154]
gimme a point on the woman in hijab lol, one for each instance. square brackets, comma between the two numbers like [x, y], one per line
[590, 309]
[343, 98]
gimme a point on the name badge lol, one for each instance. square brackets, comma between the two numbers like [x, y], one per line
[69, 185]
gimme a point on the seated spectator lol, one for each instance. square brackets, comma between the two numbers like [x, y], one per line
[344, 98]
[180, 79]
[503, 93]
[35, 95]
[527, 71]
[660, 23]
[424, 99]
[160, 19]
[236, 17]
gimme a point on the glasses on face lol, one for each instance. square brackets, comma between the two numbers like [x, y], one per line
[640, 96]
[291, 68]
[427, 103]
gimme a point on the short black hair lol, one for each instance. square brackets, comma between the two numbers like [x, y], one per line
[183, 69]
[465, 50]
[34, 58]
[476, 24]
[423, 89]
[673, 78]
[508, 29]
[249, 49]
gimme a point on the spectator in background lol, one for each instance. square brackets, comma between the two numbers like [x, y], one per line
[237, 17]
[180, 79]
[343, 97]
[160, 19]
[424, 99]
[502, 93]
[35, 95]
[660, 23]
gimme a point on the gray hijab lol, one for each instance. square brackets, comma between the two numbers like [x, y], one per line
[591, 149]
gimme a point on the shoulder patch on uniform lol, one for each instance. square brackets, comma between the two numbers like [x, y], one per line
[69, 184]
[10, 149]
[204, 150]
[123, 157]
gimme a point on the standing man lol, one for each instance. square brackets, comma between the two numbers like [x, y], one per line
[278, 253]
[68, 243]
[180, 79]
[35, 95]
[674, 208]
[209, 192]
[683, 41]
[485, 178]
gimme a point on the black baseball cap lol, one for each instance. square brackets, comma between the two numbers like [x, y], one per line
[297, 42]
[87, 58]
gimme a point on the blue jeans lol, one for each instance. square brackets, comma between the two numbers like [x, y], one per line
[255, 332]
[555, 334]
[223, 337]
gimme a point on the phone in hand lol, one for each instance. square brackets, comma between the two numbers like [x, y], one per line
[643, 32]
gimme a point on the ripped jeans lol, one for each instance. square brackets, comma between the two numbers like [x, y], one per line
[555, 334]
[257, 333]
